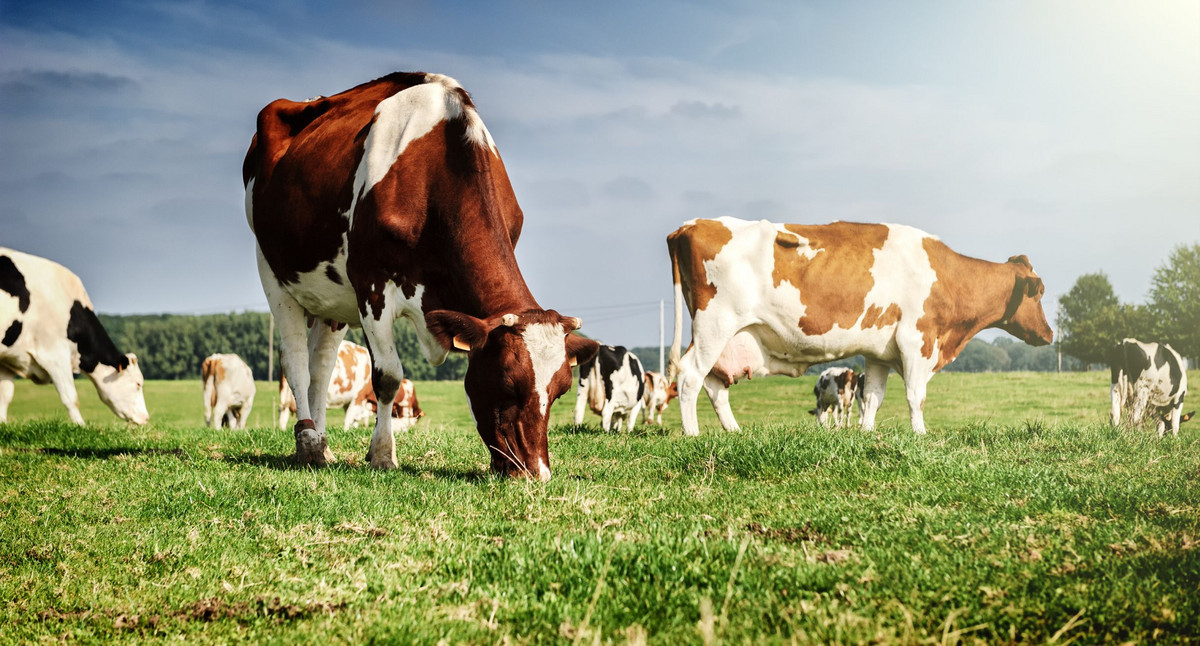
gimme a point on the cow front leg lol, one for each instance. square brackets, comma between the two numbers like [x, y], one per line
[63, 379]
[718, 394]
[581, 397]
[1118, 404]
[606, 415]
[916, 379]
[290, 320]
[874, 386]
[633, 416]
[6, 392]
[386, 375]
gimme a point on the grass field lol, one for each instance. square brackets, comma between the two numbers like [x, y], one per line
[1021, 517]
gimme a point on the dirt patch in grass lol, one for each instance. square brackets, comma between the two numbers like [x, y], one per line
[216, 608]
[805, 532]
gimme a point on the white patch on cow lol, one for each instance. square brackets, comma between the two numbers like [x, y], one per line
[404, 118]
[250, 204]
[547, 348]
[324, 298]
[543, 471]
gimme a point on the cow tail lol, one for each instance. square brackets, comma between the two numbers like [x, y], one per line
[208, 372]
[677, 340]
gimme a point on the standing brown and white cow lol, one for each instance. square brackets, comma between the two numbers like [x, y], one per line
[770, 298]
[49, 333]
[390, 200]
[351, 374]
[228, 391]
[659, 393]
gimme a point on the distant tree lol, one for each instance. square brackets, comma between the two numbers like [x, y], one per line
[1175, 300]
[1092, 321]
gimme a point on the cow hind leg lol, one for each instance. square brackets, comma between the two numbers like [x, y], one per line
[875, 385]
[1118, 404]
[916, 380]
[581, 397]
[290, 319]
[322, 354]
[386, 375]
[718, 394]
[606, 415]
[6, 392]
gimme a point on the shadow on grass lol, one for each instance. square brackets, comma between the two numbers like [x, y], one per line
[102, 454]
[288, 463]
[641, 430]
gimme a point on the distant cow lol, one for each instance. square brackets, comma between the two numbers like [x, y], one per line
[611, 385]
[49, 333]
[771, 298]
[351, 373]
[659, 393]
[1148, 378]
[386, 201]
[228, 391]
[406, 412]
[837, 390]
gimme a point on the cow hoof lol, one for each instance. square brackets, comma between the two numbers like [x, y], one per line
[386, 464]
[311, 448]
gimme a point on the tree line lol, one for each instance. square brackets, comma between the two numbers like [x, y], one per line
[172, 346]
[1093, 320]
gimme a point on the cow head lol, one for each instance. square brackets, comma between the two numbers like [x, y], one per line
[120, 387]
[1023, 315]
[518, 364]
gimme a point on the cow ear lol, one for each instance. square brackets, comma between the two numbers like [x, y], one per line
[132, 358]
[1033, 286]
[580, 349]
[1021, 260]
[456, 331]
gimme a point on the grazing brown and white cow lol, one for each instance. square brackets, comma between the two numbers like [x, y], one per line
[1148, 378]
[659, 393]
[770, 298]
[351, 373]
[390, 200]
[611, 385]
[837, 390]
[228, 391]
[49, 333]
[406, 411]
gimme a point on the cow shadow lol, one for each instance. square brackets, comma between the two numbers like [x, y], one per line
[104, 454]
[287, 462]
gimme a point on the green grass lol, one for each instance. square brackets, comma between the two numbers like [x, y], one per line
[1021, 517]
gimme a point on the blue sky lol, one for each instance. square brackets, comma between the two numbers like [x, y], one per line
[1067, 131]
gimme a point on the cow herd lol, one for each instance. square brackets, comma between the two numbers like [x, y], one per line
[390, 200]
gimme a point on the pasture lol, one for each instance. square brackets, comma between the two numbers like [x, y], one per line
[1020, 517]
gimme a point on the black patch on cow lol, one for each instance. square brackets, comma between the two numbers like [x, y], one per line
[385, 386]
[1129, 358]
[11, 334]
[635, 366]
[95, 346]
[333, 274]
[13, 282]
[609, 360]
[1163, 356]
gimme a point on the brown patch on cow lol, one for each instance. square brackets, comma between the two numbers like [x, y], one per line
[835, 281]
[690, 246]
[880, 318]
[967, 296]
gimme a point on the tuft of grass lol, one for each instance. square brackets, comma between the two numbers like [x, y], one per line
[1020, 517]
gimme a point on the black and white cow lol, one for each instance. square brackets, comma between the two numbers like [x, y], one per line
[1148, 378]
[611, 384]
[837, 390]
[50, 334]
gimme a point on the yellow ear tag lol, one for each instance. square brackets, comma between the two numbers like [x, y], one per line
[461, 345]
[574, 362]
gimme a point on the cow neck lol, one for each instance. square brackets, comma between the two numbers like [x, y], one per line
[998, 291]
[488, 281]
